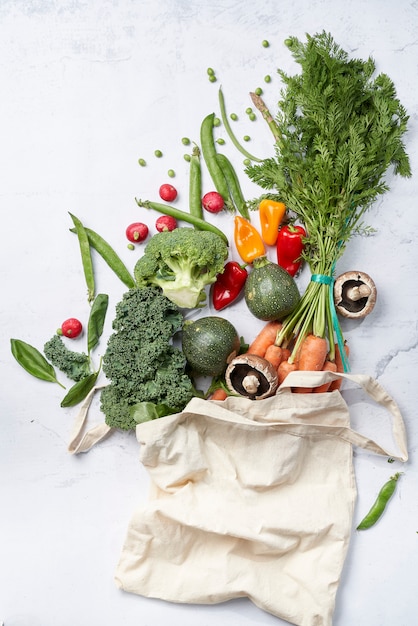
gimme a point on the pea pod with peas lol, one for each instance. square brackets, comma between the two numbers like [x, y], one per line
[380, 503]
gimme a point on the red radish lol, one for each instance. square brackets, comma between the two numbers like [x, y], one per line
[213, 202]
[168, 192]
[165, 222]
[137, 232]
[71, 328]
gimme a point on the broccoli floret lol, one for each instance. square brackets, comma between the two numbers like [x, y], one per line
[76, 365]
[140, 360]
[182, 262]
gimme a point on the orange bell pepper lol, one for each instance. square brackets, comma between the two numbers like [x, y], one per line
[271, 214]
[248, 241]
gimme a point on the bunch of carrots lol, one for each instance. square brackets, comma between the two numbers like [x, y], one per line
[313, 355]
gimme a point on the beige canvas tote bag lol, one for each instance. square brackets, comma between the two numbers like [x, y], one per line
[251, 498]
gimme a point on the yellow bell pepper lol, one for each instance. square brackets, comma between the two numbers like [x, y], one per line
[271, 214]
[248, 241]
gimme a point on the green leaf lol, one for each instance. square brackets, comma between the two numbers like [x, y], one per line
[147, 411]
[79, 391]
[33, 361]
[96, 320]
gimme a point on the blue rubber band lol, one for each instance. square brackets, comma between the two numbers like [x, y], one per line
[329, 280]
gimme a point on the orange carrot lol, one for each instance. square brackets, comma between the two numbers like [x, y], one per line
[219, 394]
[336, 384]
[265, 338]
[313, 353]
[311, 357]
[284, 369]
[286, 354]
[274, 355]
[329, 366]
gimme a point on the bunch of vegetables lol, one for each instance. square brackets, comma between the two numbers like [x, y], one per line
[337, 131]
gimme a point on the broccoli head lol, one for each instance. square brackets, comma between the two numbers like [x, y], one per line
[182, 262]
[140, 360]
[76, 365]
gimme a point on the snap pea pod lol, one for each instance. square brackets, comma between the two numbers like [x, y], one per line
[234, 186]
[33, 361]
[380, 503]
[80, 390]
[230, 132]
[210, 157]
[178, 214]
[195, 184]
[96, 320]
[109, 255]
[85, 256]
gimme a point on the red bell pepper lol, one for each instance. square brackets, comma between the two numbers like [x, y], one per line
[289, 247]
[228, 285]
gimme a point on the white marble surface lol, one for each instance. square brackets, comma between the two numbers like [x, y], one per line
[86, 89]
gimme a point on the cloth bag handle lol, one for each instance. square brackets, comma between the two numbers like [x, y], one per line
[81, 441]
[314, 379]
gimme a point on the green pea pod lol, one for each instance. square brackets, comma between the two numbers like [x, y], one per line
[178, 214]
[380, 503]
[234, 186]
[96, 320]
[80, 390]
[109, 255]
[195, 184]
[230, 132]
[33, 361]
[85, 256]
[209, 155]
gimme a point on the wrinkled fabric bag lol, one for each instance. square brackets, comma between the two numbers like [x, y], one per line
[251, 498]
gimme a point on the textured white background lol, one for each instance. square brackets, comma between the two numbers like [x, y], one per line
[86, 89]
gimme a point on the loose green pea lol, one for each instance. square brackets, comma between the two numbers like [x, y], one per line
[267, 79]
[187, 157]
[220, 141]
[234, 116]
[247, 138]
[252, 117]
[247, 162]
[158, 154]
[171, 173]
[142, 162]
[258, 91]
[212, 79]
[185, 141]
[265, 43]
[216, 121]
[248, 111]
[210, 71]
[130, 246]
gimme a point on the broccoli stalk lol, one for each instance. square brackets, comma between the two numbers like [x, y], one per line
[182, 262]
[146, 372]
[76, 365]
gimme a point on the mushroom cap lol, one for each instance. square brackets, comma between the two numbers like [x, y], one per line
[251, 376]
[354, 294]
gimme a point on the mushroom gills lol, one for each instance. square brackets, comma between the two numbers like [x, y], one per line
[251, 376]
[354, 294]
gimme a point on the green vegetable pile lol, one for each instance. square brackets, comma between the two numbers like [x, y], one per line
[146, 372]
